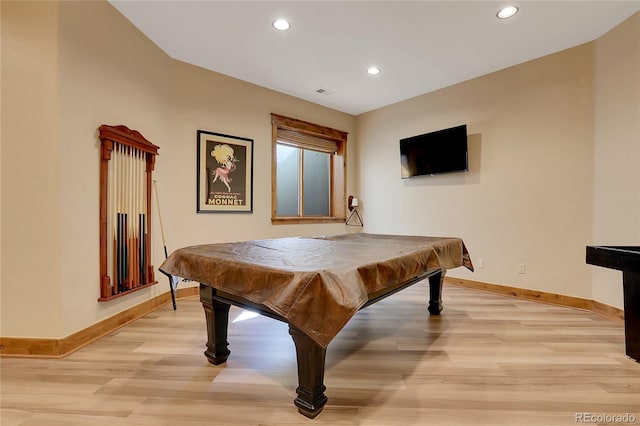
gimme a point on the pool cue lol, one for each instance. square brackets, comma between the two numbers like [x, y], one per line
[127, 222]
[141, 226]
[164, 243]
[135, 211]
[118, 208]
[118, 283]
[141, 251]
[141, 219]
[134, 221]
[173, 281]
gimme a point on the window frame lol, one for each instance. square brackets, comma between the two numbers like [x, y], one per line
[337, 173]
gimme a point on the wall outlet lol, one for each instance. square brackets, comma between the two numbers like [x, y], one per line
[479, 263]
[522, 268]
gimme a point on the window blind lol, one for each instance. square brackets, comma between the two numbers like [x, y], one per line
[306, 141]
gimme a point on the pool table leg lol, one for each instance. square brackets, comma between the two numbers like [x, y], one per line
[217, 316]
[311, 357]
[631, 293]
[435, 293]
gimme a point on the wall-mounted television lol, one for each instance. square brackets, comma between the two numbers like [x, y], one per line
[442, 151]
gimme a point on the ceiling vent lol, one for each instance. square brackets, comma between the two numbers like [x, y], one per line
[325, 91]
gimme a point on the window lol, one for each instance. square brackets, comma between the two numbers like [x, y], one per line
[309, 172]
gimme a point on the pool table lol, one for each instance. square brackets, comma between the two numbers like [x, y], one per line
[315, 285]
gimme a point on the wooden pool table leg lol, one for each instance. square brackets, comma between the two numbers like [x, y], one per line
[631, 292]
[217, 316]
[435, 293]
[311, 357]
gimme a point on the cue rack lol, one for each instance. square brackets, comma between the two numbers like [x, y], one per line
[126, 166]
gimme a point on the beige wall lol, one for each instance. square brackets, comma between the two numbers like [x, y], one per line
[62, 77]
[108, 74]
[617, 150]
[203, 100]
[528, 194]
[536, 131]
[30, 293]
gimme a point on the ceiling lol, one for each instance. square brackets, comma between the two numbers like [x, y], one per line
[420, 46]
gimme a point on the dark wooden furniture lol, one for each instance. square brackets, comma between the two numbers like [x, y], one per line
[627, 260]
[315, 285]
[310, 355]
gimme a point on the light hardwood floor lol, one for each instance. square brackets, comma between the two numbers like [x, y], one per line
[488, 360]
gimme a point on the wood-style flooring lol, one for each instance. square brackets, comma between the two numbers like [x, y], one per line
[488, 360]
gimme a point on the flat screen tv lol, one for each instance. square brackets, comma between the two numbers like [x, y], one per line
[442, 151]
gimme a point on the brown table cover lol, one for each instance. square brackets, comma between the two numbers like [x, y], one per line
[317, 284]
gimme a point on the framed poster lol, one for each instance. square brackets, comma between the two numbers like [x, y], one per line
[225, 173]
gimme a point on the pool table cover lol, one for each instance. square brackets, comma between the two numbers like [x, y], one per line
[316, 283]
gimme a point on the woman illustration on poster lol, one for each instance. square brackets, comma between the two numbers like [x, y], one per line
[224, 155]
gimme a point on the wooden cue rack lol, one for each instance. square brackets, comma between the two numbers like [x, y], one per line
[126, 165]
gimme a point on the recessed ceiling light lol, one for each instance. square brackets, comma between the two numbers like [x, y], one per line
[373, 70]
[507, 12]
[281, 24]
